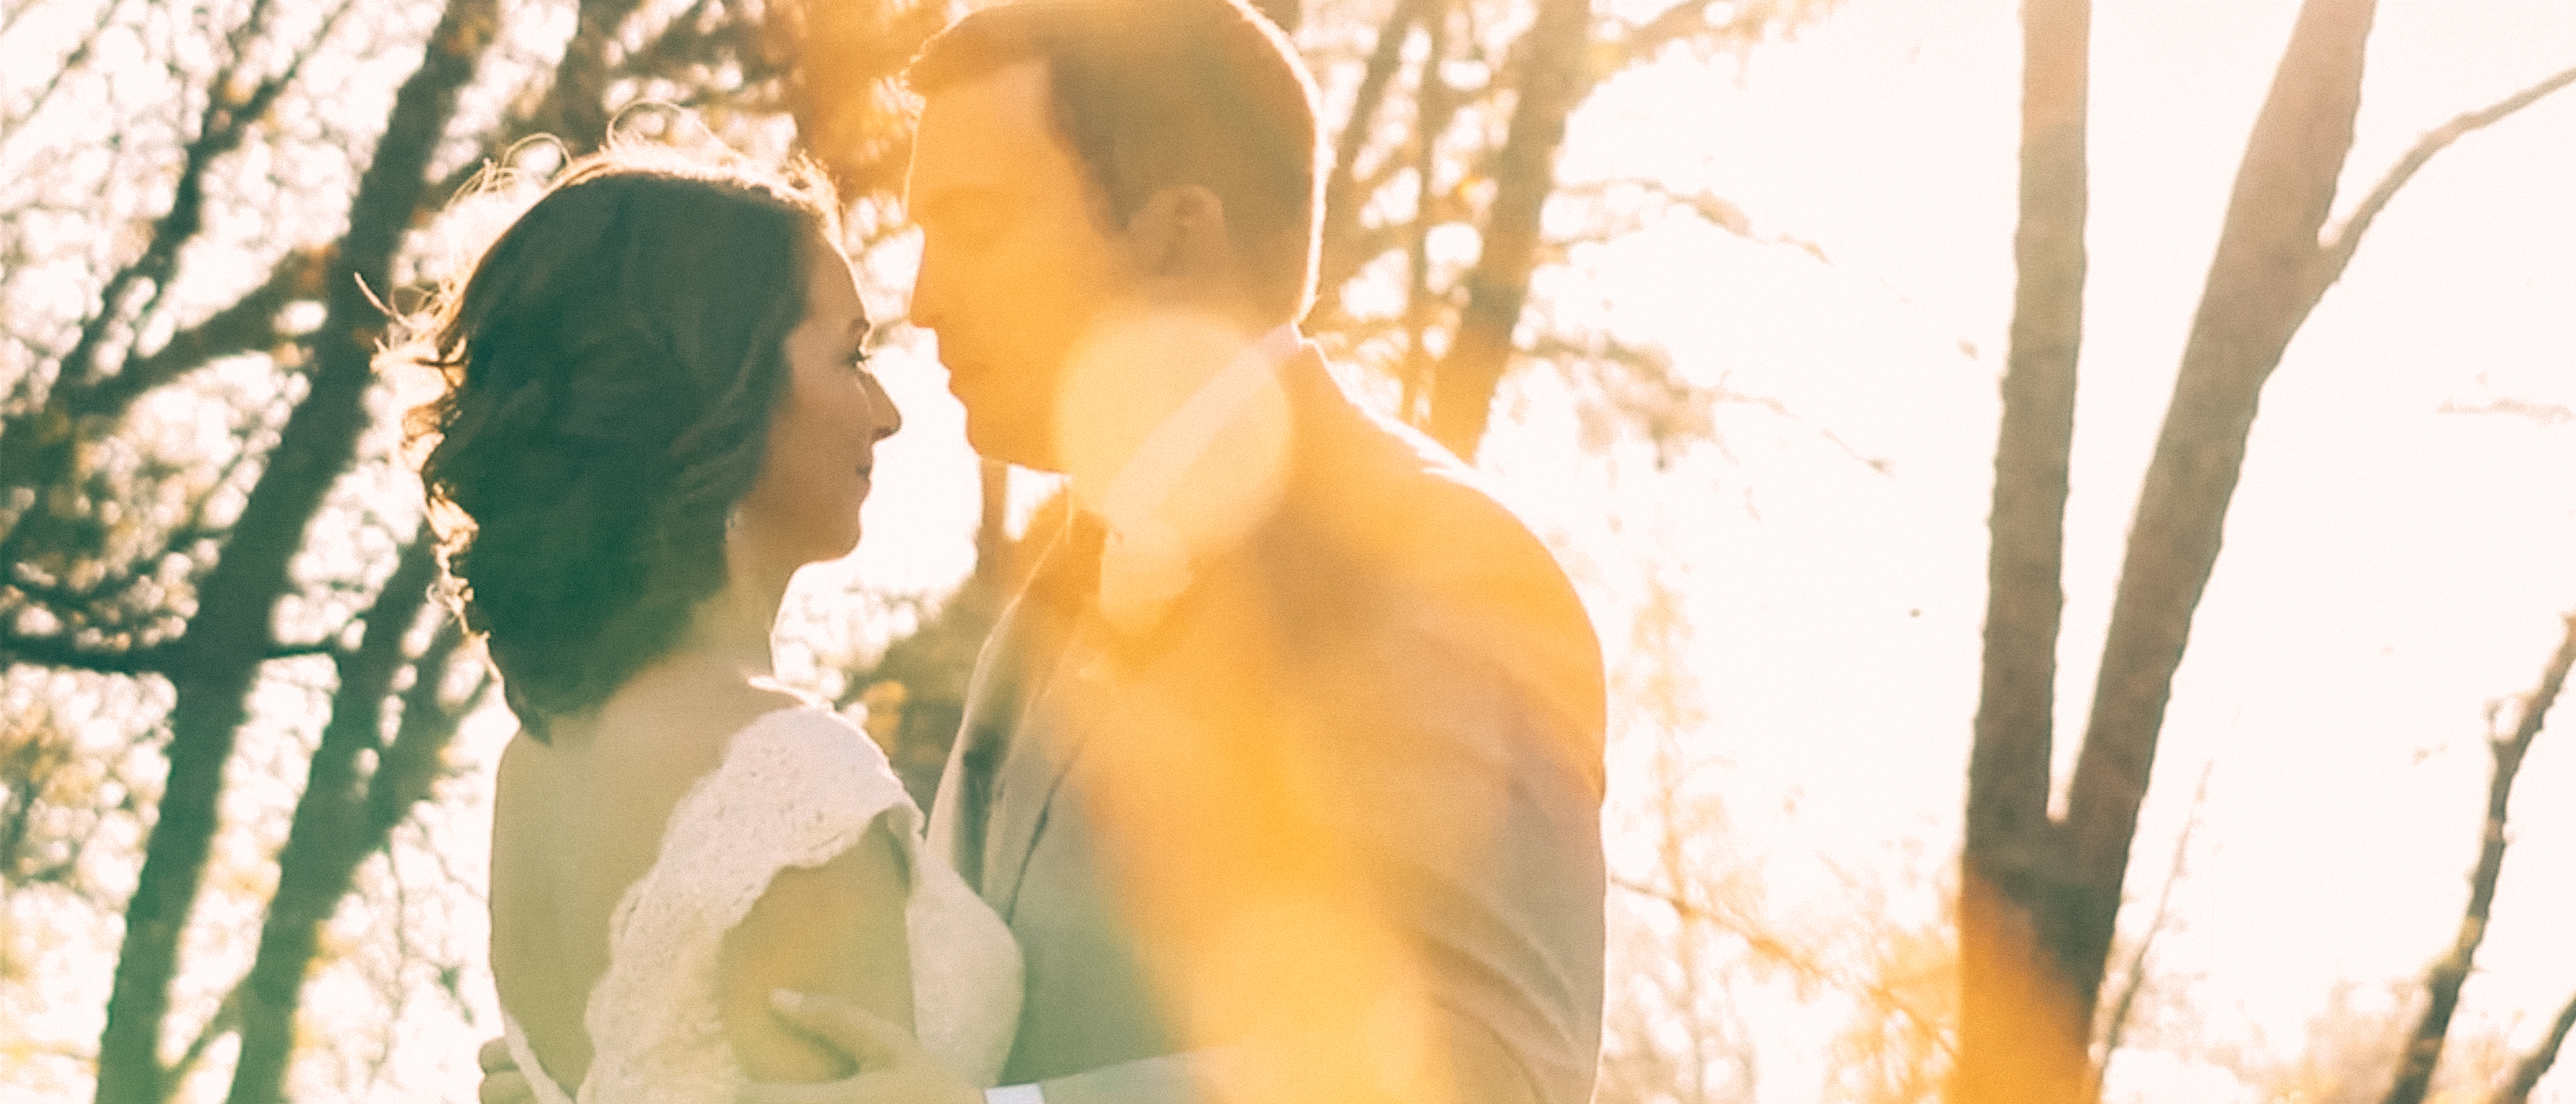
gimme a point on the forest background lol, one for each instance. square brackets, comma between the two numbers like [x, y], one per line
[1737, 284]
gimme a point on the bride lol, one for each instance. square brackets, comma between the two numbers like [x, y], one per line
[658, 408]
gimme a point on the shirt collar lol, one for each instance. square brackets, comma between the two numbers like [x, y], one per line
[1196, 481]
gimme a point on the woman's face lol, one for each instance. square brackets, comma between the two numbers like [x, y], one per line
[823, 438]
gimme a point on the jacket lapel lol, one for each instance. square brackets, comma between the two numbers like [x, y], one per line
[1026, 645]
[991, 704]
[1049, 735]
[1073, 690]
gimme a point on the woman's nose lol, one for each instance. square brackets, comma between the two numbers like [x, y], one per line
[885, 419]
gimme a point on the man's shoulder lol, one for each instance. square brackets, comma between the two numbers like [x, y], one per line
[1426, 587]
[1399, 510]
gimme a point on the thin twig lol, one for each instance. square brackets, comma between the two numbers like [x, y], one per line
[2345, 237]
[2443, 981]
[2136, 979]
[72, 63]
[2534, 1066]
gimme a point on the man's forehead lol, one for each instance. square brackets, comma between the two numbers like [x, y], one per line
[981, 130]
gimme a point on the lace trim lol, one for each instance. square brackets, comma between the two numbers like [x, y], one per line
[796, 787]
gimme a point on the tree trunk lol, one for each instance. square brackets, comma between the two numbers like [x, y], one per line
[219, 656]
[1552, 83]
[2442, 983]
[2260, 289]
[2022, 1032]
[2038, 897]
[327, 838]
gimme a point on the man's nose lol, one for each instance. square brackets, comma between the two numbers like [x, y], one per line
[927, 307]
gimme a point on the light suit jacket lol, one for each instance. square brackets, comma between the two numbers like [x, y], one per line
[1356, 766]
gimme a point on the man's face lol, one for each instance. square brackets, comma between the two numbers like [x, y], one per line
[1016, 264]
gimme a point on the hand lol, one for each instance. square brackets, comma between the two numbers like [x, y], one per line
[893, 1069]
[502, 1081]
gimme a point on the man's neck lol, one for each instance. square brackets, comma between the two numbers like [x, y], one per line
[1144, 371]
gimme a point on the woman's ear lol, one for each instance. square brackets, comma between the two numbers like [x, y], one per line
[1179, 236]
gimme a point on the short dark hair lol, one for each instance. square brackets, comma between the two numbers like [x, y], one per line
[1154, 93]
[612, 363]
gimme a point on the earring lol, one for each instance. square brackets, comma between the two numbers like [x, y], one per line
[733, 519]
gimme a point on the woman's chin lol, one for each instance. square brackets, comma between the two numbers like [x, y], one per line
[848, 543]
[825, 548]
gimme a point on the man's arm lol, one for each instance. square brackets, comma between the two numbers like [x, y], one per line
[1473, 712]
[502, 1082]
[835, 928]
[895, 1070]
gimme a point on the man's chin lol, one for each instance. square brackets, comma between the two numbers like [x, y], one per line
[1011, 447]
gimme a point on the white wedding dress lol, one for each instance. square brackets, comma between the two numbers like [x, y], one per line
[794, 788]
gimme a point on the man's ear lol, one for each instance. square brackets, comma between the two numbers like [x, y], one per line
[1179, 234]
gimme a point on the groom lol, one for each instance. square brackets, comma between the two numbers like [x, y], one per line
[1286, 769]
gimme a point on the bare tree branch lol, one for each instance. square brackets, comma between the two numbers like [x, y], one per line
[1687, 21]
[2135, 981]
[226, 1021]
[2534, 1066]
[72, 63]
[2341, 241]
[247, 325]
[412, 762]
[2011, 995]
[9, 18]
[2442, 983]
[39, 447]
[838, 63]
[1435, 104]
[216, 662]
[1343, 197]
[58, 652]
[1770, 947]
[1554, 81]
[574, 107]
[55, 651]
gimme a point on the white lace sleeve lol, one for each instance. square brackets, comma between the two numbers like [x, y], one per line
[795, 788]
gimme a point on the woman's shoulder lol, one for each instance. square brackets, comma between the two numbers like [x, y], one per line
[809, 734]
[658, 736]
[686, 704]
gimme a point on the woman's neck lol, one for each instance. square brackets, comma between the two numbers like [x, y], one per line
[732, 626]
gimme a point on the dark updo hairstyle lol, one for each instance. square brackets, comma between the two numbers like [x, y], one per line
[611, 366]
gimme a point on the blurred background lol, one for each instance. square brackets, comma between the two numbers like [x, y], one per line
[1726, 295]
